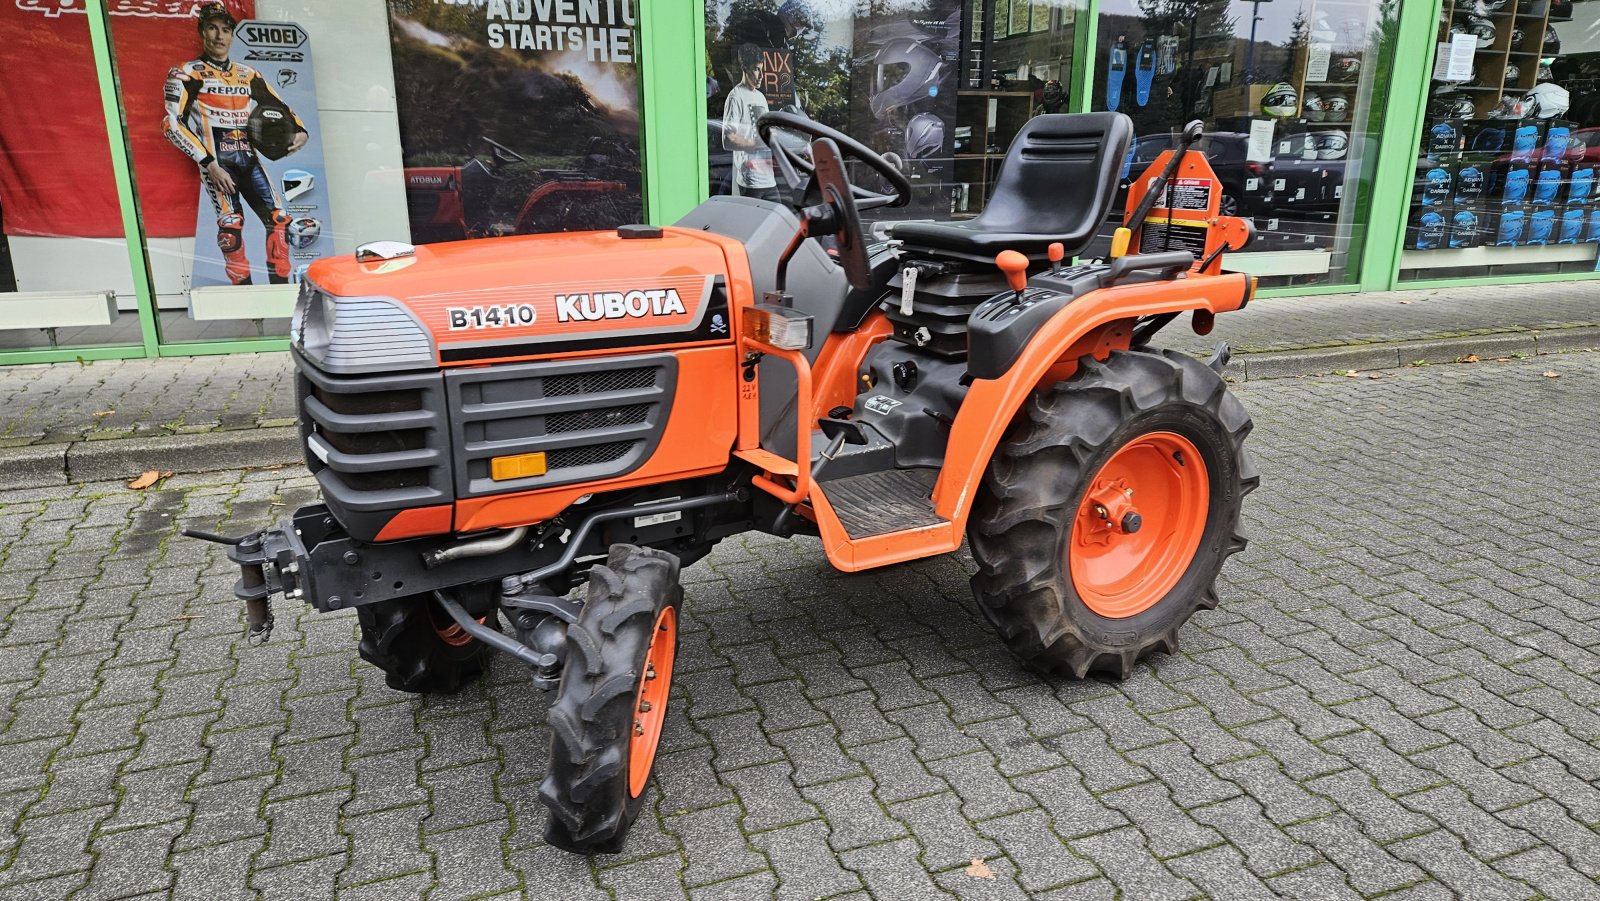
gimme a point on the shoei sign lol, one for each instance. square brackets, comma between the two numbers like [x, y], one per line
[274, 35]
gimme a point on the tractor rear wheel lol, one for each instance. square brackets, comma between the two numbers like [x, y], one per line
[1108, 511]
[606, 721]
[419, 647]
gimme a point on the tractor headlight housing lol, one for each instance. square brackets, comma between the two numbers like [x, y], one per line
[779, 326]
[347, 335]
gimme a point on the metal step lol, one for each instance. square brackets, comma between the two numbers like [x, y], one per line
[884, 502]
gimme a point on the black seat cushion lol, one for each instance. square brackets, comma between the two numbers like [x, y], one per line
[1057, 183]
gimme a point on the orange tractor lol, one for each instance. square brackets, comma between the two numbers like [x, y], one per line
[494, 423]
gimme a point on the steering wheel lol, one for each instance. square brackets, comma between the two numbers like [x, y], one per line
[793, 160]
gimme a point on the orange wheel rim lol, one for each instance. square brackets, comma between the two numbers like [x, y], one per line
[451, 632]
[650, 703]
[1139, 525]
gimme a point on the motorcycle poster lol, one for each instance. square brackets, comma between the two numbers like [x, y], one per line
[275, 222]
[516, 116]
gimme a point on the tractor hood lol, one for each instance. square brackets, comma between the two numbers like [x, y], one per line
[473, 302]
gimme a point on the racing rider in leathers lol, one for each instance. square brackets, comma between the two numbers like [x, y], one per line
[209, 101]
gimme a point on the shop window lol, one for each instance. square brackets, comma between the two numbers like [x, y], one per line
[1291, 97]
[1506, 172]
[65, 278]
[938, 86]
[268, 134]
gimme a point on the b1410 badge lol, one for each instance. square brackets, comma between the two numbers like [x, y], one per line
[503, 316]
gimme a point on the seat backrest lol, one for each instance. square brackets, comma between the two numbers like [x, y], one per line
[1060, 175]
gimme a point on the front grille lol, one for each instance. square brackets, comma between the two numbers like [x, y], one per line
[599, 382]
[377, 444]
[593, 419]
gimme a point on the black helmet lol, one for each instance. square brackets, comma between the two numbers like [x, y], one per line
[1552, 42]
[213, 10]
[1482, 29]
[1513, 74]
[1451, 106]
[908, 70]
[271, 130]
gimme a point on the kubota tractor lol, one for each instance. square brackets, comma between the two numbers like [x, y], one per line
[493, 423]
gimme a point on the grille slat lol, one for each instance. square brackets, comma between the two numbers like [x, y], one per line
[599, 382]
[559, 423]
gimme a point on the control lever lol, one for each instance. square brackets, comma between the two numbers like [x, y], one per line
[1057, 254]
[1015, 266]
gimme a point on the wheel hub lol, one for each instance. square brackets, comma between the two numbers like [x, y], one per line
[650, 705]
[1139, 524]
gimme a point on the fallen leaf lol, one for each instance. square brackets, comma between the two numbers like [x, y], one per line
[1374, 376]
[147, 478]
[1405, 301]
[1552, 374]
[979, 870]
[1469, 358]
[101, 414]
[1353, 374]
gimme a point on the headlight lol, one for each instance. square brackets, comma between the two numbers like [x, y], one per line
[358, 334]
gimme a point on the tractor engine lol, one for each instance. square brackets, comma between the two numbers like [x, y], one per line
[465, 387]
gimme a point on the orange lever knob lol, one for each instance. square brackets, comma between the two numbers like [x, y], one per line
[1015, 266]
[1057, 252]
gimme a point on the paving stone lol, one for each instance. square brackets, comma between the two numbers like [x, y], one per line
[1267, 849]
[899, 775]
[1547, 871]
[1122, 855]
[386, 845]
[892, 870]
[550, 874]
[1190, 782]
[1550, 823]
[1443, 857]
[946, 837]
[1381, 817]
[852, 813]
[804, 862]
[714, 845]
[815, 754]
[1221, 873]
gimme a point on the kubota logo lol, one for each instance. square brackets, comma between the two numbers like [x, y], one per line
[618, 305]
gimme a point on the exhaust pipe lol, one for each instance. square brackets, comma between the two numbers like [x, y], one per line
[481, 548]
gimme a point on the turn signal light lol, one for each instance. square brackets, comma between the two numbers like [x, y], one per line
[518, 466]
[782, 327]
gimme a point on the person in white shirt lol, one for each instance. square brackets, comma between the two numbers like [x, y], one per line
[752, 160]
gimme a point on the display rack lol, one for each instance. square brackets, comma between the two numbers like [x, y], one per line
[995, 117]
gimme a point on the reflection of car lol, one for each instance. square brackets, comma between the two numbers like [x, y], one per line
[1247, 186]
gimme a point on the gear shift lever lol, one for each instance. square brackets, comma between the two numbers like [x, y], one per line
[1057, 253]
[1015, 266]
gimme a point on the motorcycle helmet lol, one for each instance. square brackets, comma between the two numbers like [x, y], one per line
[908, 70]
[924, 136]
[1544, 73]
[1338, 107]
[1451, 106]
[297, 183]
[1517, 36]
[303, 232]
[1281, 102]
[1546, 100]
[1552, 42]
[1315, 110]
[1507, 108]
[1489, 140]
[208, 11]
[1481, 29]
[1513, 74]
[1331, 145]
[271, 129]
[1347, 68]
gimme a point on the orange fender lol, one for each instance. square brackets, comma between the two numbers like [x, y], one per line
[1095, 324]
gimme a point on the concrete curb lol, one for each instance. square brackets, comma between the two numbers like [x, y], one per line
[1293, 363]
[49, 465]
[46, 465]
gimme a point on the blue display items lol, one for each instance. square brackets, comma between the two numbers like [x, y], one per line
[1116, 67]
[1436, 185]
[1556, 142]
[1571, 226]
[1591, 232]
[1515, 188]
[1509, 232]
[1144, 72]
[1442, 138]
[1580, 184]
[1469, 184]
[1541, 225]
[1430, 231]
[1465, 229]
[1547, 187]
[1525, 143]
[1489, 139]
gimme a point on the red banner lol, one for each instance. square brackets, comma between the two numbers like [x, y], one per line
[55, 161]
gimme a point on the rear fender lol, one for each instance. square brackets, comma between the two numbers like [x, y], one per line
[1095, 324]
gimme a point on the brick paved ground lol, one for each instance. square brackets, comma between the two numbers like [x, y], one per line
[112, 399]
[1399, 697]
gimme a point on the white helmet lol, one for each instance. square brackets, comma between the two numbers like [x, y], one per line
[1545, 100]
[297, 183]
[1331, 145]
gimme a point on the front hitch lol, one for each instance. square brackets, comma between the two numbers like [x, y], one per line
[269, 563]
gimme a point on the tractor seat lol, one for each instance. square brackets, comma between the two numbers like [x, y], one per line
[1057, 183]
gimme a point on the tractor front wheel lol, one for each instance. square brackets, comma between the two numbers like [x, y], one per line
[1108, 511]
[607, 718]
[419, 647]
